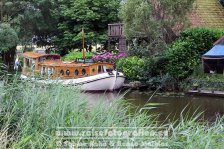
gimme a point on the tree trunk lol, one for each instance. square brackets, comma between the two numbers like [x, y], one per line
[169, 34]
[8, 57]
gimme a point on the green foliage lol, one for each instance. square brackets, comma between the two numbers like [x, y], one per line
[158, 21]
[30, 113]
[139, 51]
[136, 68]
[203, 38]
[133, 67]
[185, 53]
[94, 16]
[190, 133]
[206, 81]
[73, 55]
[158, 65]
[182, 59]
[163, 82]
[3, 71]
[25, 17]
[8, 37]
[60, 22]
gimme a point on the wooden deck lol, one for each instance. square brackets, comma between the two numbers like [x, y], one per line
[206, 93]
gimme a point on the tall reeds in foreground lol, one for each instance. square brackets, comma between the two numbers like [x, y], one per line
[31, 112]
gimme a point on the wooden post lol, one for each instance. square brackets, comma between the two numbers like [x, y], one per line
[122, 46]
[83, 45]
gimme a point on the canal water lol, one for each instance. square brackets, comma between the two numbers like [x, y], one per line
[172, 105]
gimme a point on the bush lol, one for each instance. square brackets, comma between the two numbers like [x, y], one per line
[133, 67]
[139, 51]
[185, 53]
[181, 59]
[142, 69]
[158, 66]
[163, 82]
[203, 38]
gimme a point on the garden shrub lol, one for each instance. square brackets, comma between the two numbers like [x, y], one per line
[139, 51]
[134, 68]
[158, 65]
[203, 38]
[163, 82]
[182, 59]
[179, 60]
[185, 53]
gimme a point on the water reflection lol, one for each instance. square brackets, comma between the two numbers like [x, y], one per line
[211, 106]
[106, 98]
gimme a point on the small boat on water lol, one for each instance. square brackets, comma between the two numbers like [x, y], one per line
[90, 75]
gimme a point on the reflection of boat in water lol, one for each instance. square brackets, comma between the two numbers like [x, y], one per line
[106, 98]
[92, 76]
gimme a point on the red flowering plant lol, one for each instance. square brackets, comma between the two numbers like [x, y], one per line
[108, 57]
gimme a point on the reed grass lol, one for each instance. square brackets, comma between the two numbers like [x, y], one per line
[30, 113]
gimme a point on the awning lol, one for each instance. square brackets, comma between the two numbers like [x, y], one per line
[217, 51]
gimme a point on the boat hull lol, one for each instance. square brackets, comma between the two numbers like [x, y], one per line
[100, 82]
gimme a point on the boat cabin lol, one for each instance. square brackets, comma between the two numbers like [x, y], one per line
[51, 66]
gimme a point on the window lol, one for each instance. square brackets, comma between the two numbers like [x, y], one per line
[83, 71]
[76, 72]
[33, 66]
[62, 72]
[27, 62]
[104, 68]
[93, 70]
[43, 71]
[99, 68]
[50, 71]
[67, 72]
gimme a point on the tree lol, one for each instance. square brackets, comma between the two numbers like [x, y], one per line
[8, 42]
[31, 18]
[45, 26]
[92, 15]
[156, 21]
[13, 16]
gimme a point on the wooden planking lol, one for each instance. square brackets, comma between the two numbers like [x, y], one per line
[115, 30]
